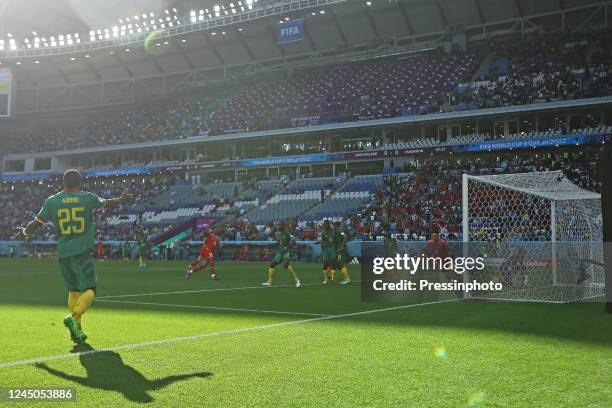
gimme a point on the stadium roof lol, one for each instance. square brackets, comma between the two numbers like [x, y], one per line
[348, 26]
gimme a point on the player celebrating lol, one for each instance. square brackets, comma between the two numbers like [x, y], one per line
[71, 213]
[283, 255]
[206, 256]
[343, 258]
[328, 252]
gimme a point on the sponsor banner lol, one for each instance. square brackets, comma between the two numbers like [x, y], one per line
[301, 121]
[530, 143]
[289, 31]
[27, 176]
[288, 160]
[120, 172]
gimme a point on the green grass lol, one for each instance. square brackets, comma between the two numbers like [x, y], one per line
[498, 354]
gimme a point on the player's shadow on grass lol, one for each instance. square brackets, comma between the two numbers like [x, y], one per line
[107, 371]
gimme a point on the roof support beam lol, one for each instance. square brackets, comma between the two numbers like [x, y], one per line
[479, 10]
[441, 13]
[272, 32]
[244, 43]
[371, 21]
[183, 53]
[338, 26]
[123, 65]
[406, 19]
[63, 75]
[94, 70]
[155, 62]
[213, 48]
[519, 8]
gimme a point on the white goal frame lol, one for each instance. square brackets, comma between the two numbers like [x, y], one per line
[568, 207]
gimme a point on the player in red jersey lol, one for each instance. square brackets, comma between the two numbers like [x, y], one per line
[100, 249]
[206, 256]
[436, 247]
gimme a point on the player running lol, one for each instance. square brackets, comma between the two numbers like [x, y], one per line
[328, 252]
[343, 257]
[206, 256]
[283, 255]
[71, 213]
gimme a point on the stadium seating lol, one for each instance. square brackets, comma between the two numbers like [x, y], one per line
[539, 70]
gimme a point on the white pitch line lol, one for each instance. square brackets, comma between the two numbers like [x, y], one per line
[212, 308]
[207, 290]
[213, 334]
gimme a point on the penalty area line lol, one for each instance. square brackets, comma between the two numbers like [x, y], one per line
[231, 309]
[208, 290]
[213, 334]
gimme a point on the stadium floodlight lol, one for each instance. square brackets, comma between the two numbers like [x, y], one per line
[540, 233]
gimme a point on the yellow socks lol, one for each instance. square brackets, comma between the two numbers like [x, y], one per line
[332, 274]
[73, 297]
[345, 274]
[270, 274]
[83, 303]
[292, 272]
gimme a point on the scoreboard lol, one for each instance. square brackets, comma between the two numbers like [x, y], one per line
[7, 93]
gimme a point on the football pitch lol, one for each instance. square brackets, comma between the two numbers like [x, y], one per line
[159, 339]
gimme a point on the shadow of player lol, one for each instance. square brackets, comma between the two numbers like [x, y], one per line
[107, 371]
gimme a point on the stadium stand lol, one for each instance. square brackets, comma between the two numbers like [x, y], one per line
[538, 70]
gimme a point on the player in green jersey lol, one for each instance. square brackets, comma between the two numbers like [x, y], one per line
[143, 249]
[343, 259]
[328, 252]
[71, 213]
[283, 255]
[126, 250]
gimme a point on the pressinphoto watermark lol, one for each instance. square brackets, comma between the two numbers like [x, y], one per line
[558, 272]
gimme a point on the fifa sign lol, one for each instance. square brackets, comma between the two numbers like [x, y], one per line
[289, 31]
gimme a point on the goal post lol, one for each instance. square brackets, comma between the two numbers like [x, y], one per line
[605, 167]
[540, 235]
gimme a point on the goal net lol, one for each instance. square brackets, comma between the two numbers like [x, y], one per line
[540, 236]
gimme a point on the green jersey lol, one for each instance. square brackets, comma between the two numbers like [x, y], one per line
[340, 238]
[143, 245]
[126, 248]
[389, 246]
[285, 241]
[71, 213]
[329, 241]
